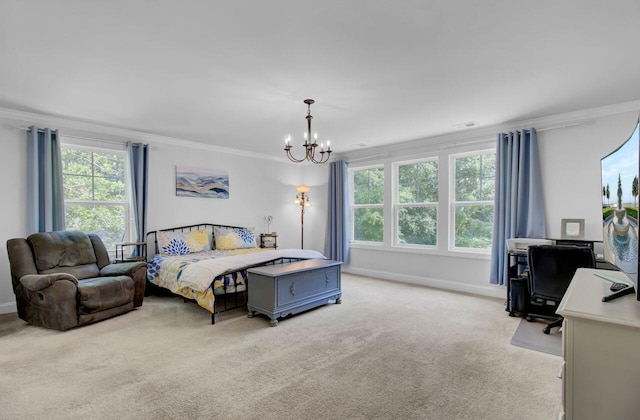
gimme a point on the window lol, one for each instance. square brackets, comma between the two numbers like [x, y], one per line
[472, 202]
[95, 192]
[367, 211]
[416, 207]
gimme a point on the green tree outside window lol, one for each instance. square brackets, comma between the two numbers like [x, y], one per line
[95, 194]
[473, 203]
[368, 201]
[417, 200]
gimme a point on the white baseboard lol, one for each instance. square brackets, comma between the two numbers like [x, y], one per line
[8, 307]
[488, 290]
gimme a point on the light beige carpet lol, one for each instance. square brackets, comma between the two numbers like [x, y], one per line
[390, 351]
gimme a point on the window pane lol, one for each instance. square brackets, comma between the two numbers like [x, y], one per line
[467, 174]
[361, 179]
[488, 189]
[77, 188]
[475, 178]
[108, 164]
[109, 189]
[368, 224]
[76, 162]
[474, 226]
[406, 174]
[406, 194]
[108, 222]
[418, 182]
[90, 176]
[368, 186]
[95, 176]
[428, 193]
[417, 225]
[376, 195]
[488, 176]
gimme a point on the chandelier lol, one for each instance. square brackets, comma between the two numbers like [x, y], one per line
[309, 145]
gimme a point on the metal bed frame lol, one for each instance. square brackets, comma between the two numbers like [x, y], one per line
[237, 302]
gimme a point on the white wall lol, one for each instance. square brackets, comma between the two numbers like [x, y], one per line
[13, 211]
[570, 164]
[570, 148]
[570, 159]
[258, 187]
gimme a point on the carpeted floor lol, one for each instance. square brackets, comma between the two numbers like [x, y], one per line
[390, 351]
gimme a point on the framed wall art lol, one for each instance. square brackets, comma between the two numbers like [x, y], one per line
[199, 182]
[572, 229]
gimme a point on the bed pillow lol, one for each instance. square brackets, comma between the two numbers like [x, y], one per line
[181, 243]
[234, 238]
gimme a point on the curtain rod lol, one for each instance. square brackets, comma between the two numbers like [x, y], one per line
[40, 130]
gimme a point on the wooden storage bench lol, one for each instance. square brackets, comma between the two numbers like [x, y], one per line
[284, 289]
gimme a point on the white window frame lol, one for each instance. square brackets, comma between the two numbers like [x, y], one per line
[454, 203]
[397, 205]
[353, 206]
[129, 222]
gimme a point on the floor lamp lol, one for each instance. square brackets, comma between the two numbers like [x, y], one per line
[303, 199]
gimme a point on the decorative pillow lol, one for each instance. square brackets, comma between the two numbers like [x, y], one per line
[234, 238]
[180, 243]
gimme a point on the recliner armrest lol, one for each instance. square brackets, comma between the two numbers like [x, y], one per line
[122, 269]
[137, 270]
[38, 282]
[48, 300]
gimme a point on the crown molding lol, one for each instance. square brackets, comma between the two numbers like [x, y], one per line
[30, 118]
[457, 139]
[488, 134]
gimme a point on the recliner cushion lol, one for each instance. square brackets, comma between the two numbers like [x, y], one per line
[64, 252]
[101, 293]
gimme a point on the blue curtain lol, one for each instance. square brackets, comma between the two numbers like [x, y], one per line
[519, 204]
[336, 242]
[138, 154]
[44, 181]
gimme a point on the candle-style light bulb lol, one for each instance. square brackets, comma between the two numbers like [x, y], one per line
[315, 136]
[328, 145]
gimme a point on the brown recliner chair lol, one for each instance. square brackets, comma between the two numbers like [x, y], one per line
[65, 279]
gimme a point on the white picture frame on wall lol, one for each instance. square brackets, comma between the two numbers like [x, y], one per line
[572, 229]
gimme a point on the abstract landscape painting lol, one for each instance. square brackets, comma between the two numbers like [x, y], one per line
[198, 182]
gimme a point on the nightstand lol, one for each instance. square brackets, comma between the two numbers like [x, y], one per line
[268, 240]
[140, 246]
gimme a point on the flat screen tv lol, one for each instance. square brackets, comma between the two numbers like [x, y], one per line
[620, 208]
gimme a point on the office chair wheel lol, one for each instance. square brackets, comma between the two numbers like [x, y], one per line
[529, 318]
[546, 330]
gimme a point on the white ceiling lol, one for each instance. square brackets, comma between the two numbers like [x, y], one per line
[235, 73]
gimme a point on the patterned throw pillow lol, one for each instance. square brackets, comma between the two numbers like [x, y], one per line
[180, 243]
[234, 238]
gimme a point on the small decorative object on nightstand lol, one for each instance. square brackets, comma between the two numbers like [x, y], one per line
[141, 254]
[268, 240]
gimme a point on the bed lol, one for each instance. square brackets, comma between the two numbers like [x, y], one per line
[207, 263]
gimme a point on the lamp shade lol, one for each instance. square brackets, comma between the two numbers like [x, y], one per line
[303, 188]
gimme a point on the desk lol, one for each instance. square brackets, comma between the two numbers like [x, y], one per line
[518, 262]
[600, 348]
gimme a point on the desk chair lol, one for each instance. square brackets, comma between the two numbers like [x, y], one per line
[551, 268]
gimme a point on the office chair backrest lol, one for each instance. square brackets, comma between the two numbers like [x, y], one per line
[551, 268]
